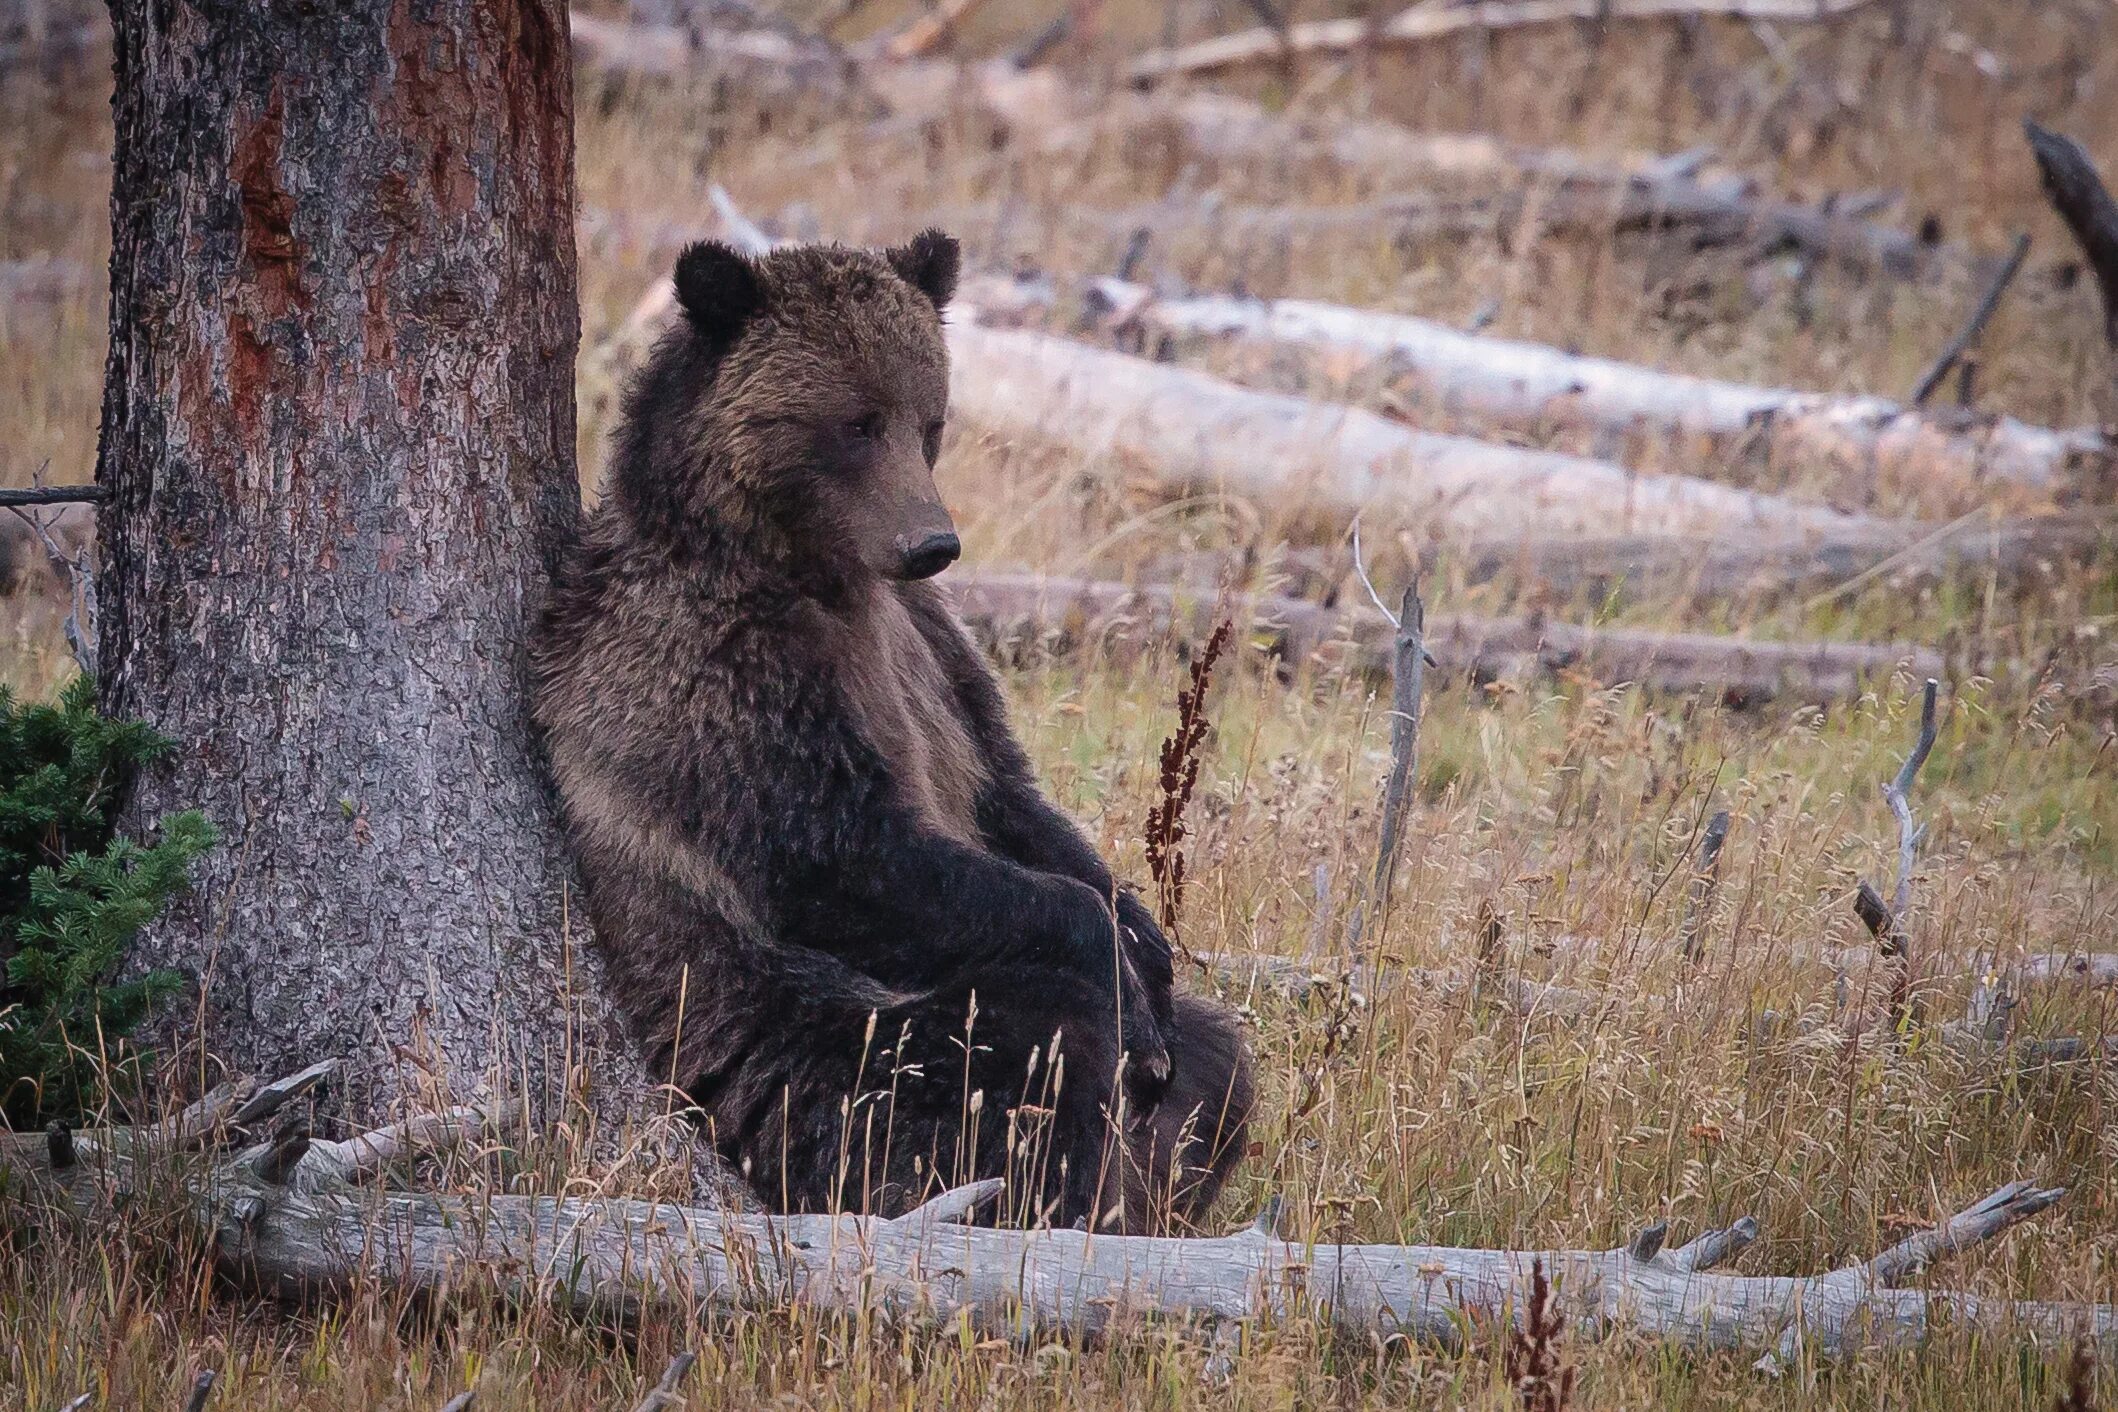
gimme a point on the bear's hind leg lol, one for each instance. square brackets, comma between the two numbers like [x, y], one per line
[1186, 1152]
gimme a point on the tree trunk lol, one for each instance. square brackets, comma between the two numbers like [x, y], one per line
[338, 430]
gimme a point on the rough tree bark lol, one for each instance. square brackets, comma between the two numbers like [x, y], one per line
[338, 433]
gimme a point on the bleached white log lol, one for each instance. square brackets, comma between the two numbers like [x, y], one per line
[627, 1257]
[1532, 386]
[1419, 23]
[1187, 427]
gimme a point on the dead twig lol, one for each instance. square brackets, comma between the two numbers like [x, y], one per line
[1973, 326]
[54, 495]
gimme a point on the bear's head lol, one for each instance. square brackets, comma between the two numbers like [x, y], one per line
[798, 407]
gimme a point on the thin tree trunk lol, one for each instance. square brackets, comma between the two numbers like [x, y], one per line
[338, 429]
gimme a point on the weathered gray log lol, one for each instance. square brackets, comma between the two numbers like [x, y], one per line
[1010, 610]
[626, 1257]
[1711, 212]
[2078, 194]
[1533, 386]
[1190, 428]
[1421, 23]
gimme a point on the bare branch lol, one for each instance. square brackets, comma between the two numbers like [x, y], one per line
[1981, 1221]
[54, 495]
[1714, 1248]
[1974, 326]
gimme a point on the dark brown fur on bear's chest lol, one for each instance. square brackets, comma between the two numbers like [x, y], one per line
[903, 703]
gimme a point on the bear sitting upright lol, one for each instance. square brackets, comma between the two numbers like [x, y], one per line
[834, 904]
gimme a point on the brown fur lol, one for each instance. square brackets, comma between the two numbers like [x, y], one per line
[830, 896]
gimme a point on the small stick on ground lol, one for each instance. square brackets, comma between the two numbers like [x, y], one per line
[2078, 194]
[1973, 326]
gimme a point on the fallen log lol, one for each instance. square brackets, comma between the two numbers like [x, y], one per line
[1186, 427]
[1425, 22]
[1532, 386]
[596, 1257]
[1007, 611]
[1665, 565]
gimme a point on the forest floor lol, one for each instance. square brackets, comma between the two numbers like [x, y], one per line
[1563, 806]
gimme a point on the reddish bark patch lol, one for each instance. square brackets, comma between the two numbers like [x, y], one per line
[431, 100]
[268, 209]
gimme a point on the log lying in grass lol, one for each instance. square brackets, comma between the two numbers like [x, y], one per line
[1719, 212]
[1189, 428]
[1008, 609]
[1534, 386]
[1421, 23]
[1738, 568]
[599, 1256]
[1743, 569]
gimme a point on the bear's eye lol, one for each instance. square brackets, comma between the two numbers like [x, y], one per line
[867, 428]
[932, 441]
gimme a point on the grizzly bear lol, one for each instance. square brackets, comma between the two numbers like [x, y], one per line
[833, 902]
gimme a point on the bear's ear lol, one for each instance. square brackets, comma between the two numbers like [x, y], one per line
[928, 262]
[719, 289]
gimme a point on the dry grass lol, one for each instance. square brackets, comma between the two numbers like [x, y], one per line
[1564, 807]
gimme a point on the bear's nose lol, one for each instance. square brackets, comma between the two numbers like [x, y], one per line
[931, 555]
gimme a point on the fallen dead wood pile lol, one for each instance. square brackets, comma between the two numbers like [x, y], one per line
[1533, 386]
[282, 1216]
[1420, 23]
[1714, 213]
[1045, 113]
[1008, 611]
